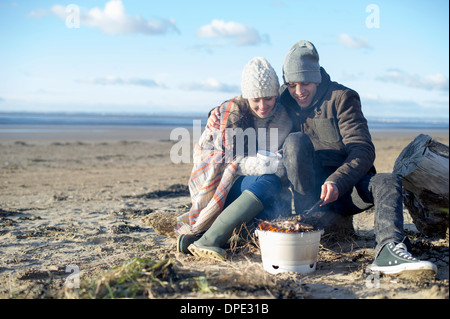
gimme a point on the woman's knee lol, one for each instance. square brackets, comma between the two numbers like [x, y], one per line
[271, 183]
[273, 180]
[267, 188]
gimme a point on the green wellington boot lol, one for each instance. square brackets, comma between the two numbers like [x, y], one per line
[242, 210]
[185, 240]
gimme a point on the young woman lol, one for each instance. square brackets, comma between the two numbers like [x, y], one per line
[233, 181]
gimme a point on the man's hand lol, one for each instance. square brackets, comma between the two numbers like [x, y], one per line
[329, 193]
[214, 120]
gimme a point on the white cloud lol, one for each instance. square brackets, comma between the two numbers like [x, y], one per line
[114, 20]
[241, 35]
[38, 13]
[210, 84]
[429, 82]
[352, 42]
[114, 80]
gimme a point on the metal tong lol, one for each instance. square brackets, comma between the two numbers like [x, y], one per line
[314, 207]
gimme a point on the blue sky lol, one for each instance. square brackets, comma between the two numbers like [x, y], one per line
[187, 56]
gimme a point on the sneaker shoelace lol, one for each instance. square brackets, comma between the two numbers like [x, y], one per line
[402, 251]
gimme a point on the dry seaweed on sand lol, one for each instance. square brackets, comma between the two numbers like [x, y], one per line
[141, 278]
[125, 229]
[172, 191]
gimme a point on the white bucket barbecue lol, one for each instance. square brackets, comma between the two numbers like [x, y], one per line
[289, 252]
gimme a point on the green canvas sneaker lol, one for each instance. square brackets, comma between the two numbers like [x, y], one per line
[394, 259]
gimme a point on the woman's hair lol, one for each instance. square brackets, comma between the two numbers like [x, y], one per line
[241, 117]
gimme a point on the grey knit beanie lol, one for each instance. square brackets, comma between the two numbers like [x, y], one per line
[259, 79]
[302, 64]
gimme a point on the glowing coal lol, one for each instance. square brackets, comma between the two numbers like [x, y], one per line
[291, 224]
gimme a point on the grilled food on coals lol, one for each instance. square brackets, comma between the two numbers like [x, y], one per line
[285, 225]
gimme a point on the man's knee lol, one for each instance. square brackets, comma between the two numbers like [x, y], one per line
[387, 180]
[297, 142]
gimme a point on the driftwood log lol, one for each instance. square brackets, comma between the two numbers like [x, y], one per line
[423, 166]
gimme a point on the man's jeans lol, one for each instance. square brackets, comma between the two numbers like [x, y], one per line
[269, 191]
[384, 191]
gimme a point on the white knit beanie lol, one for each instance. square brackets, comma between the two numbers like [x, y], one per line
[259, 79]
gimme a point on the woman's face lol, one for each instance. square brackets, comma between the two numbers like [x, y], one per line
[263, 106]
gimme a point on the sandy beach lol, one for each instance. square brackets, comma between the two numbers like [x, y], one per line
[75, 205]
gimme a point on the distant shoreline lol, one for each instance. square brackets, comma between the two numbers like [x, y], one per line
[150, 133]
[183, 120]
[97, 127]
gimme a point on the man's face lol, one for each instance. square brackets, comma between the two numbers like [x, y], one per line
[303, 92]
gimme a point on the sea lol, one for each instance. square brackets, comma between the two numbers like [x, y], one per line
[72, 122]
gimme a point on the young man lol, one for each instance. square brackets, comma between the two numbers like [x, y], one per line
[330, 156]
